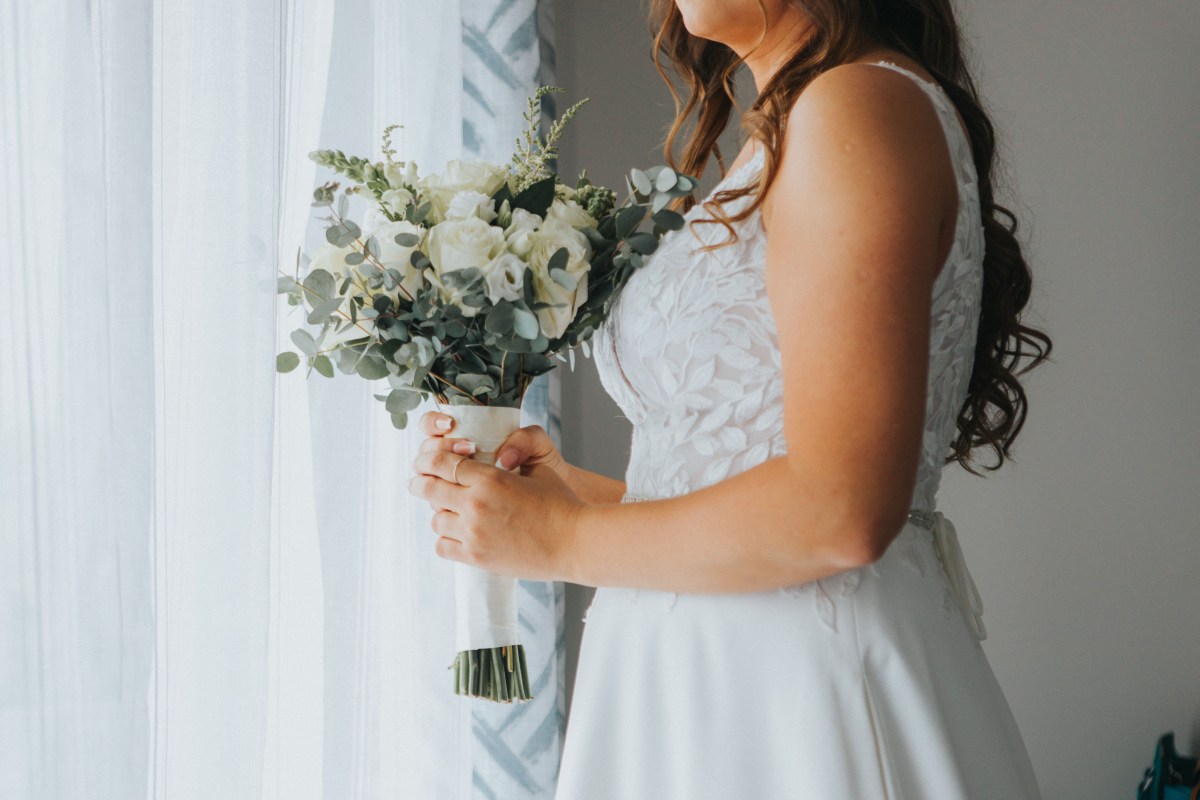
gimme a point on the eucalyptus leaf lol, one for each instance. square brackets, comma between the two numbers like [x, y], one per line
[372, 368]
[323, 365]
[525, 323]
[304, 340]
[666, 180]
[564, 279]
[644, 243]
[671, 220]
[286, 361]
[323, 309]
[400, 401]
[640, 181]
[558, 260]
[407, 239]
[501, 318]
[628, 219]
[320, 285]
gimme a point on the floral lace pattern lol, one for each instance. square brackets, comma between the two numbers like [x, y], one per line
[690, 353]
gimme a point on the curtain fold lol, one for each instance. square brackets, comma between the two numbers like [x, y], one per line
[213, 582]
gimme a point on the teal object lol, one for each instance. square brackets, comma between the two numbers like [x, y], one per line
[1172, 777]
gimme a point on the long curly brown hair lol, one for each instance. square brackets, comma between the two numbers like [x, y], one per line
[925, 31]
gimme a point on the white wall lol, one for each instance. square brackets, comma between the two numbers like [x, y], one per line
[1086, 549]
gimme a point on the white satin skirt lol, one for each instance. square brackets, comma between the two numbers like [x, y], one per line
[867, 684]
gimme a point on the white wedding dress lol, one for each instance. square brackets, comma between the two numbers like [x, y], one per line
[867, 684]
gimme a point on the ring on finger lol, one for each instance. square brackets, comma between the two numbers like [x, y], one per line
[458, 464]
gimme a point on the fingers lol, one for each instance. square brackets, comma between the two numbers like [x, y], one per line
[461, 446]
[447, 523]
[435, 423]
[521, 445]
[451, 467]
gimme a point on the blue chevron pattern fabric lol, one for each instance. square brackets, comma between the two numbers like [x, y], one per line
[507, 48]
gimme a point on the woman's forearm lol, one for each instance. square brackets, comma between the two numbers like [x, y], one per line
[592, 487]
[757, 530]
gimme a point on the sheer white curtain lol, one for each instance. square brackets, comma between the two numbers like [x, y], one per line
[213, 582]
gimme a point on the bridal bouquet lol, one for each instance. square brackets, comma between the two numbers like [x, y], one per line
[463, 286]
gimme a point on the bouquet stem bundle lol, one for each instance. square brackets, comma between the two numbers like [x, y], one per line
[490, 661]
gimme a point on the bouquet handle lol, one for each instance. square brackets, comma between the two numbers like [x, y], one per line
[490, 662]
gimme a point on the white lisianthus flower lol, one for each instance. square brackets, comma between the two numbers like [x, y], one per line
[393, 255]
[519, 233]
[571, 213]
[505, 276]
[400, 173]
[459, 176]
[546, 241]
[470, 203]
[396, 201]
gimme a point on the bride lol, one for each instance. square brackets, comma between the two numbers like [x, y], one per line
[781, 611]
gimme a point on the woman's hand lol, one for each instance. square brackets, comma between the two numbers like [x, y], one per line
[510, 523]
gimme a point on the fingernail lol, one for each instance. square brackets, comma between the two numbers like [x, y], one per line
[464, 448]
[444, 423]
[507, 459]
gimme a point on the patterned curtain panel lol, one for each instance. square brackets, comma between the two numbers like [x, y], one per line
[508, 51]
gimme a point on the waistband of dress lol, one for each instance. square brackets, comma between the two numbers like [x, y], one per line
[945, 542]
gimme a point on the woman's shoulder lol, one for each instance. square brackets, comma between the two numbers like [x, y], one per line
[866, 128]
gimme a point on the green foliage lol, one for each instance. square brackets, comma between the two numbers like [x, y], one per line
[529, 160]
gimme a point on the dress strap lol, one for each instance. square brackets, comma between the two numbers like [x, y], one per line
[956, 138]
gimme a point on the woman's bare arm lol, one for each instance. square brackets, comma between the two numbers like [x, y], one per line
[592, 487]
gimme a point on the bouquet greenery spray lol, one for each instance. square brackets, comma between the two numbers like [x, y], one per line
[463, 286]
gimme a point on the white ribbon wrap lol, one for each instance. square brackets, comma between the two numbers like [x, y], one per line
[485, 604]
[945, 539]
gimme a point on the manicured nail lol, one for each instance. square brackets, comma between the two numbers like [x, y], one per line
[507, 459]
[444, 423]
[464, 448]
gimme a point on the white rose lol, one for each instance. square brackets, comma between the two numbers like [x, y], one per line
[523, 220]
[470, 203]
[505, 276]
[332, 259]
[399, 257]
[546, 242]
[555, 234]
[479, 176]
[571, 213]
[564, 191]
[459, 244]
[373, 218]
[462, 243]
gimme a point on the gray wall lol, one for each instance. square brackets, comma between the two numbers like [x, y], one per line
[1086, 548]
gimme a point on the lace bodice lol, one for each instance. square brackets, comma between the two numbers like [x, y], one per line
[690, 350]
